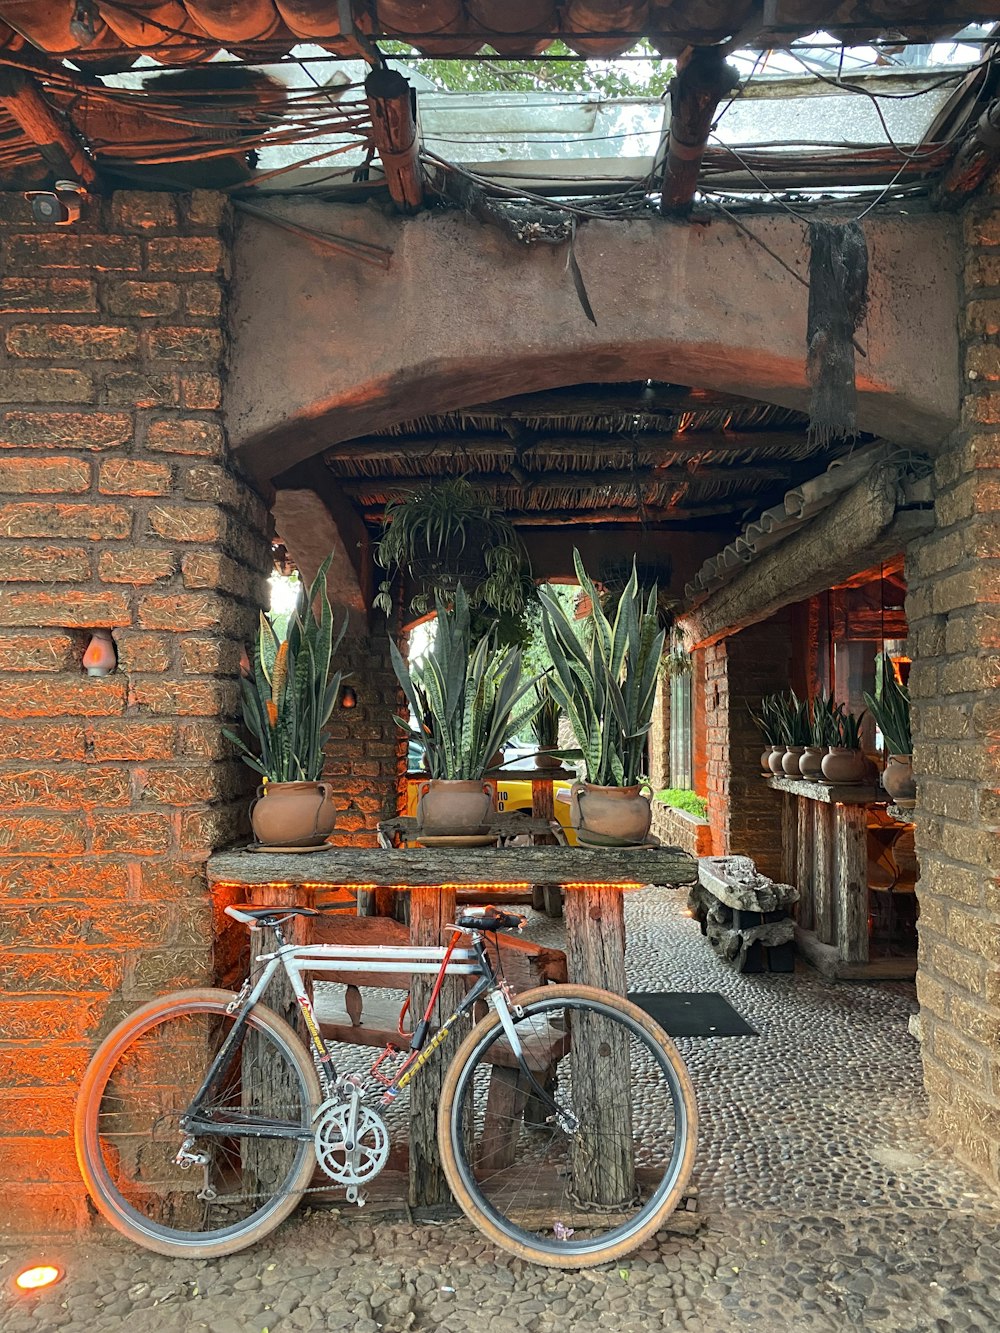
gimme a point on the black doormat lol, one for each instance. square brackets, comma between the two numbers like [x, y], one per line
[693, 1013]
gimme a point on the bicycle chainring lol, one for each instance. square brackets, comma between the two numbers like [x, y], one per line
[371, 1150]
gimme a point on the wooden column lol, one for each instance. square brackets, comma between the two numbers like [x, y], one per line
[392, 103]
[850, 881]
[703, 79]
[280, 996]
[804, 869]
[823, 872]
[789, 837]
[544, 897]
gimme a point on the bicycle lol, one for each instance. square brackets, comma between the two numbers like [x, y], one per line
[566, 1125]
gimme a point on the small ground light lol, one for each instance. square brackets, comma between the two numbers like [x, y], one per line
[37, 1277]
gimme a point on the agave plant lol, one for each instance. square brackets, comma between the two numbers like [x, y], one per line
[890, 707]
[545, 726]
[606, 686]
[468, 697]
[290, 691]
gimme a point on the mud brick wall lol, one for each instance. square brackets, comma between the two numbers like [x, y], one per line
[953, 608]
[117, 508]
[745, 815]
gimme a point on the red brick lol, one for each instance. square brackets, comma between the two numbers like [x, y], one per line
[137, 567]
[88, 342]
[182, 435]
[61, 970]
[66, 249]
[64, 788]
[204, 569]
[65, 520]
[205, 830]
[23, 385]
[203, 298]
[184, 254]
[201, 391]
[23, 1019]
[145, 834]
[184, 611]
[68, 430]
[134, 476]
[69, 607]
[42, 1158]
[52, 1065]
[184, 344]
[142, 298]
[205, 740]
[207, 208]
[31, 877]
[155, 973]
[184, 698]
[136, 389]
[49, 296]
[97, 923]
[131, 740]
[43, 835]
[982, 318]
[50, 740]
[36, 652]
[184, 784]
[187, 523]
[138, 651]
[210, 656]
[44, 564]
[144, 211]
[62, 697]
[44, 1210]
[44, 476]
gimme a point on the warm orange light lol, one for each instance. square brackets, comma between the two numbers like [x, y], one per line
[100, 658]
[505, 887]
[34, 1279]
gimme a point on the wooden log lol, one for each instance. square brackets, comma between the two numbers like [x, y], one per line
[693, 516]
[549, 481]
[850, 881]
[789, 838]
[543, 807]
[973, 162]
[20, 96]
[823, 872]
[804, 852]
[703, 78]
[392, 103]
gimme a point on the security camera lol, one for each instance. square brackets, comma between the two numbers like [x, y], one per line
[59, 207]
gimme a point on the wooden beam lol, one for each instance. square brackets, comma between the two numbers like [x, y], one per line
[861, 527]
[20, 96]
[633, 399]
[974, 161]
[392, 103]
[543, 482]
[535, 518]
[703, 79]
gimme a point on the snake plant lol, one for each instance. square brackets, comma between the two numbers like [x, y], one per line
[890, 707]
[467, 697]
[545, 727]
[290, 691]
[606, 685]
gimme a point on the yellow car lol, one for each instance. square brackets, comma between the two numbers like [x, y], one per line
[512, 794]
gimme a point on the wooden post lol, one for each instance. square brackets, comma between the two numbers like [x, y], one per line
[391, 101]
[804, 861]
[823, 872]
[544, 897]
[703, 78]
[850, 861]
[789, 837]
[44, 126]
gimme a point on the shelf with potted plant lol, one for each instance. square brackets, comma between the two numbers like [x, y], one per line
[890, 707]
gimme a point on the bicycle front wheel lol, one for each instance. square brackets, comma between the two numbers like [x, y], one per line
[247, 1174]
[578, 1159]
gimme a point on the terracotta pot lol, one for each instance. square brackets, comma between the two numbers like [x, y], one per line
[811, 763]
[843, 766]
[293, 814]
[775, 758]
[790, 761]
[621, 813]
[898, 779]
[765, 767]
[450, 808]
[543, 759]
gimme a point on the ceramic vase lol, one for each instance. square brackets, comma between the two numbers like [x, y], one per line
[811, 763]
[844, 767]
[898, 780]
[790, 761]
[775, 758]
[620, 815]
[448, 808]
[293, 814]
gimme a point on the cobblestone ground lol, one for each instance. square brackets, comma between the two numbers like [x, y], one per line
[823, 1205]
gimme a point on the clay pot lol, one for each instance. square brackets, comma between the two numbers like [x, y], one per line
[449, 808]
[622, 814]
[775, 758]
[898, 779]
[811, 763]
[790, 761]
[765, 767]
[842, 766]
[543, 759]
[293, 814]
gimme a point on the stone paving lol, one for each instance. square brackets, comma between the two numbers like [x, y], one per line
[823, 1204]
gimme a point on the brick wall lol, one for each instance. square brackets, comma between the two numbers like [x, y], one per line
[117, 508]
[953, 607]
[744, 813]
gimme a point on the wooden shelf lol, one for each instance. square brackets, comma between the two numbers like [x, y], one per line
[830, 793]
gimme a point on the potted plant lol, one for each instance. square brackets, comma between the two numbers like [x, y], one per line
[768, 723]
[823, 731]
[450, 533]
[890, 707]
[287, 697]
[605, 683]
[545, 726]
[468, 698]
[844, 761]
[793, 728]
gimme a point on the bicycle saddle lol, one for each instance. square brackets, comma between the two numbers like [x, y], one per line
[489, 918]
[243, 912]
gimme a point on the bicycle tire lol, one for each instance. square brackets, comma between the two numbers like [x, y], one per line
[524, 1191]
[127, 1134]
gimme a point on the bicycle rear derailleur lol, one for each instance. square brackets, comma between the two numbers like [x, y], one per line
[352, 1142]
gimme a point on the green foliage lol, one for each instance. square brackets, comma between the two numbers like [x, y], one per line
[890, 707]
[449, 533]
[792, 717]
[824, 728]
[767, 720]
[545, 727]
[849, 730]
[467, 695]
[290, 692]
[605, 78]
[679, 798]
[607, 686]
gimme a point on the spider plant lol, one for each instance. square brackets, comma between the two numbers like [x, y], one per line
[468, 696]
[890, 707]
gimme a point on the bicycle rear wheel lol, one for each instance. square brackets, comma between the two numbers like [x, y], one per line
[141, 1081]
[582, 1161]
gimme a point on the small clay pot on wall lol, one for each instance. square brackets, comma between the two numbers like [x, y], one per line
[293, 814]
[843, 767]
[898, 780]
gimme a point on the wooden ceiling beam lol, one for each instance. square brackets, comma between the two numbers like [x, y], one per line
[704, 77]
[600, 479]
[637, 398]
[527, 518]
[392, 103]
[20, 96]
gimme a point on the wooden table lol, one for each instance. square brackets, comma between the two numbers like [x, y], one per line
[593, 880]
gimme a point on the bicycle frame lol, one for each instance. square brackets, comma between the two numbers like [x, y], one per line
[320, 958]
